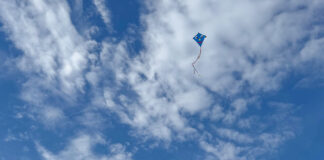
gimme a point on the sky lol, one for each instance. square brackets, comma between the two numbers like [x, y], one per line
[112, 80]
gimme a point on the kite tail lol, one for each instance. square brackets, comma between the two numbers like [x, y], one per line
[193, 63]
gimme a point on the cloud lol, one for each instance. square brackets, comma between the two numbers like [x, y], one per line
[250, 49]
[52, 115]
[82, 147]
[258, 137]
[234, 135]
[16, 137]
[222, 151]
[119, 153]
[257, 147]
[55, 56]
[52, 47]
[104, 12]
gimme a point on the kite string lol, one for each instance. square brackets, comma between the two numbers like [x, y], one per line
[193, 63]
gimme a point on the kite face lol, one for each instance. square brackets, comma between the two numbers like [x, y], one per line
[199, 38]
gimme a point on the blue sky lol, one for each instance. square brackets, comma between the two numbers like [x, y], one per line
[112, 80]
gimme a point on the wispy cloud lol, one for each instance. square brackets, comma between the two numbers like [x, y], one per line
[234, 135]
[54, 54]
[223, 151]
[104, 12]
[250, 48]
[247, 50]
[52, 47]
[82, 146]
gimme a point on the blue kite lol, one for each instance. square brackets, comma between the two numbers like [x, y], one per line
[199, 38]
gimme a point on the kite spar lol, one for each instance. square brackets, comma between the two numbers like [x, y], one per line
[199, 38]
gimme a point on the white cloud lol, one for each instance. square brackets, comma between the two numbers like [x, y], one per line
[223, 151]
[104, 12]
[52, 48]
[51, 116]
[238, 107]
[274, 140]
[242, 146]
[250, 48]
[92, 119]
[118, 152]
[312, 49]
[234, 135]
[82, 146]
[17, 136]
[55, 56]
[217, 113]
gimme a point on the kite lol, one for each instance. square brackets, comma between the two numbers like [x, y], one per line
[199, 38]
